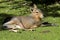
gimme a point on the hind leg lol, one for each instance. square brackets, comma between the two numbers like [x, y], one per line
[13, 30]
[13, 23]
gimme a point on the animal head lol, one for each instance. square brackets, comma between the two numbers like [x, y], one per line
[36, 12]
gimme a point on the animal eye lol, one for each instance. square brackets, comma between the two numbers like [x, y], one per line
[36, 12]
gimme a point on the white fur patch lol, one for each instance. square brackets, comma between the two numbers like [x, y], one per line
[41, 16]
[19, 27]
[14, 30]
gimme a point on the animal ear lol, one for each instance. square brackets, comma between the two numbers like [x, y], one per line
[31, 9]
[35, 6]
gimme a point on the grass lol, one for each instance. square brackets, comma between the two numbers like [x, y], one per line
[52, 32]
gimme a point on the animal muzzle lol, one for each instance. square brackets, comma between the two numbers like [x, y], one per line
[41, 16]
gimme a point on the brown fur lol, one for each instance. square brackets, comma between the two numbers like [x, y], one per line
[26, 22]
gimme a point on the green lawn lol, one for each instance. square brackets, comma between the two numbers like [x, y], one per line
[52, 32]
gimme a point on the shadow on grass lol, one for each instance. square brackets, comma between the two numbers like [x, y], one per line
[3, 16]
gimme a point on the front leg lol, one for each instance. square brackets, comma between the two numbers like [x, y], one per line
[32, 28]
